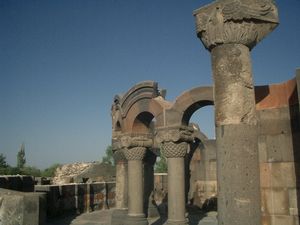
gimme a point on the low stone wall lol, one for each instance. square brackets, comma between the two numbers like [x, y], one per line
[17, 183]
[78, 198]
[22, 208]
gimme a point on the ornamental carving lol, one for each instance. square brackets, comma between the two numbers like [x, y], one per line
[235, 21]
[135, 153]
[119, 156]
[174, 150]
[139, 140]
[175, 134]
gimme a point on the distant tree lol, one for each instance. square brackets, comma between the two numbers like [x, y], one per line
[161, 166]
[108, 158]
[3, 163]
[13, 170]
[31, 170]
[50, 172]
[21, 160]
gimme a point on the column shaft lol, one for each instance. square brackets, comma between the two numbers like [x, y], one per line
[135, 188]
[176, 192]
[121, 185]
[236, 136]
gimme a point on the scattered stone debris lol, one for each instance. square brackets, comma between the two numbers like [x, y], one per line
[82, 172]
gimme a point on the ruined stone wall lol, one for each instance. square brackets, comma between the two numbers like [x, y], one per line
[78, 198]
[203, 180]
[17, 182]
[279, 152]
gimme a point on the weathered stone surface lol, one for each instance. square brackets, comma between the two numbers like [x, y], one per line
[242, 22]
[238, 186]
[78, 198]
[275, 202]
[121, 185]
[278, 175]
[293, 201]
[274, 121]
[19, 208]
[81, 172]
[280, 220]
[234, 93]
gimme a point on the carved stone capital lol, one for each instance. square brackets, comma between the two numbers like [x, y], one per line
[174, 150]
[134, 153]
[244, 22]
[174, 134]
[136, 140]
[119, 156]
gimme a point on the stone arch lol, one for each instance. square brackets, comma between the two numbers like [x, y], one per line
[190, 101]
[142, 123]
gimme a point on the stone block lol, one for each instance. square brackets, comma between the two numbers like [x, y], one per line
[294, 198]
[280, 148]
[68, 197]
[274, 121]
[275, 202]
[15, 183]
[54, 199]
[19, 208]
[27, 183]
[277, 175]
[4, 182]
[280, 220]
[262, 149]
[80, 197]
[98, 192]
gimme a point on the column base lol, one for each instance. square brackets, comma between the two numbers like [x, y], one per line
[136, 220]
[118, 216]
[176, 222]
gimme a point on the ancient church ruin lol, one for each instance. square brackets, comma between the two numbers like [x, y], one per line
[251, 166]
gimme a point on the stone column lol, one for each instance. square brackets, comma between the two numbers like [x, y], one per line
[121, 179]
[135, 150]
[229, 30]
[119, 215]
[174, 146]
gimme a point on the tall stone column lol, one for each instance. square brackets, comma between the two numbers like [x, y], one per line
[121, 179]
[229, 29]
[135, 150]
[174, 142]
[119, 215]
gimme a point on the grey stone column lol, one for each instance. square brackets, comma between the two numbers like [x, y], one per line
[135, 186]
[134, 151]
[121, 179]
[174, 146]
[230, 29]
[119, 215]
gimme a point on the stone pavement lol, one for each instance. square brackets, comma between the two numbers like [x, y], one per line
[102, 217]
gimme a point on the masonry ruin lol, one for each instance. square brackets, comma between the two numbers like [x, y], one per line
[249, 172]
[251, 166]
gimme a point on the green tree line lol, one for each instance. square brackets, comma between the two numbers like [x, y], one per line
[22, 168]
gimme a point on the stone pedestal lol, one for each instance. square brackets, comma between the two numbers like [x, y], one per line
[230, 29]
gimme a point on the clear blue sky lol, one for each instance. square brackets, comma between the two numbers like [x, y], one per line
[62, 62]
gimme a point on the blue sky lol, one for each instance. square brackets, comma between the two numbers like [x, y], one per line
[62, 62]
